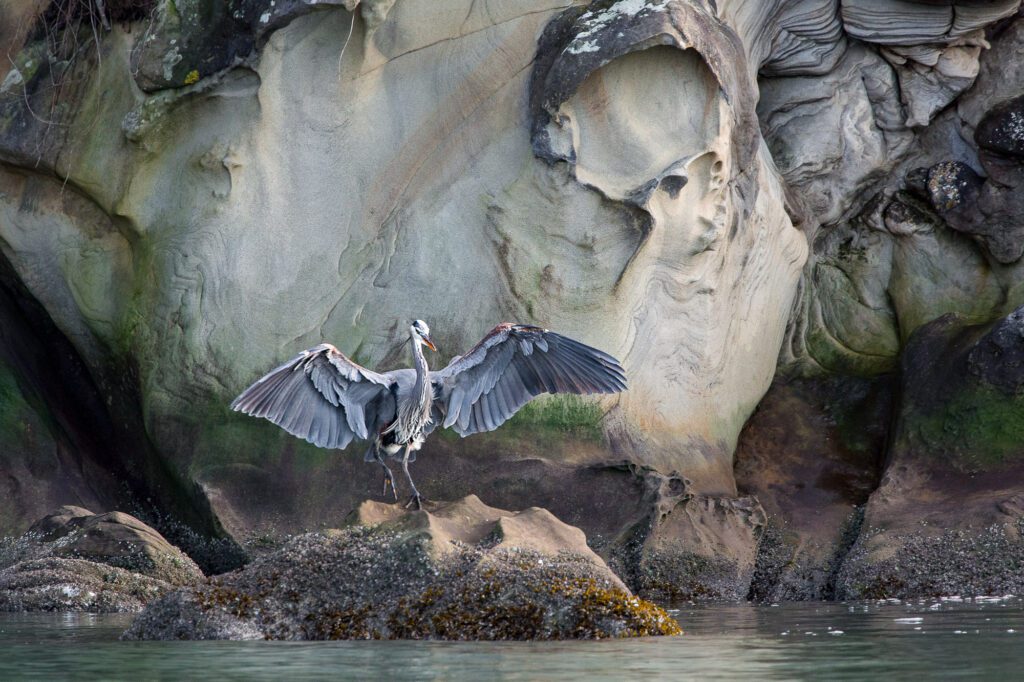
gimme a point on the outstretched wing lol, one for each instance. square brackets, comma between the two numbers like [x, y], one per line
[323, 397]
[513, 364]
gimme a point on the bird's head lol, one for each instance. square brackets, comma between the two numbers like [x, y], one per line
[421, 331]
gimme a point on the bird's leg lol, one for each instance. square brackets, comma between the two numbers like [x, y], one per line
[389, 479]
[416, 497]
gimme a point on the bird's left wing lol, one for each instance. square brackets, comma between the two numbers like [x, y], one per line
[323, 397]
[514, 363]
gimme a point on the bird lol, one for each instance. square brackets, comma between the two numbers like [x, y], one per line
[327, 399]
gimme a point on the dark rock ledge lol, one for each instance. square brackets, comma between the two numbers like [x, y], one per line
[456, 570]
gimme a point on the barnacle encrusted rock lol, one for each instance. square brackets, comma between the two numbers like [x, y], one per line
[74, 560]
[948, 515]
[456, 570]
[115, 539]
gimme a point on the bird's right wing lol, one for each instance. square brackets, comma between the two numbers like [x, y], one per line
[323, 397]
[513, 364]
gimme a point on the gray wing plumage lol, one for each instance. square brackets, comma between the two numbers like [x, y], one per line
[513, 364]
[323, 397]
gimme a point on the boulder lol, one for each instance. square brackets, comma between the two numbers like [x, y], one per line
[703, 548]
[116, 539]
[454, 570]
[74, 560]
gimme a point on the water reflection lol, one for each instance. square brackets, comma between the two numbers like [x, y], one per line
[929, 640]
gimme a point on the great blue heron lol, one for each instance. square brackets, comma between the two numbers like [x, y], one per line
[329, 400]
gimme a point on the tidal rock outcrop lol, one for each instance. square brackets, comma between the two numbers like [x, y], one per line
[456, 570]
[164, 224]
[949, 513]
[811, 455]
[115, 539]
[938, 235]
[74, 560]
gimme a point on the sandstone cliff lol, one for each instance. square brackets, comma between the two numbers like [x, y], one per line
[735, 198]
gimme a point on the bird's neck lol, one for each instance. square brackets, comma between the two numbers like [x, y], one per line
[421, 367]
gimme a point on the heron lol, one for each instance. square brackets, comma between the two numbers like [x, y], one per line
[327, 399]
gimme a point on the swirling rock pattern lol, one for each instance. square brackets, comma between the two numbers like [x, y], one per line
[723, 194]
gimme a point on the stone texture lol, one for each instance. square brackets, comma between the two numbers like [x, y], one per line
[193, 39]
[915, 22]
[806, 38]
[74, 560]
[222, 184]
[702, 549]
[1002, 128]
[997, 358]
[946, 517]
[458, 570]
[989, 209]
[55, 584]
[115, 539]
[812, 453]
[445, 526]
[937, 236]
[876, 279]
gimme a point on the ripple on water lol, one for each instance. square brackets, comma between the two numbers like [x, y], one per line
[969, 638]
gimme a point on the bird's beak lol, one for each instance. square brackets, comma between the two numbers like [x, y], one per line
[430, 344]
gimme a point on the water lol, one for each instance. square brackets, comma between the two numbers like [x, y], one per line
[863, 641]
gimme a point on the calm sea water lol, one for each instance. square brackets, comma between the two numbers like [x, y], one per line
[976, 639]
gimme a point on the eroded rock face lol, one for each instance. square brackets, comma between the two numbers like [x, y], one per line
[689, 185]
[892, 258]
[940, 236]
[458, 570]
[812, 454]
[211, 234]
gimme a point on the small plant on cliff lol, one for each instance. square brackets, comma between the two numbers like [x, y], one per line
[67, 25]
[565, 413]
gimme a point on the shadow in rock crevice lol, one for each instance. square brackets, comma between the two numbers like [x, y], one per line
[104, 454]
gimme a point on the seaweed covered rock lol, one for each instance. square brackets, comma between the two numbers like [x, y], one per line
[74, 560]
[457, 570]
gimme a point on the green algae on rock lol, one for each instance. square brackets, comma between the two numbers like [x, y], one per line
[458, 570]
[948, 514]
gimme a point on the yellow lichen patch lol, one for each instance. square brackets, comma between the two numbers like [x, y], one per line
[192, 77]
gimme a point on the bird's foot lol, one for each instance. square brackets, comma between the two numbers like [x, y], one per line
[416, 499]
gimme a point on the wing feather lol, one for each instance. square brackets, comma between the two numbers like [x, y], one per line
[513, 364]
[321, 396]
